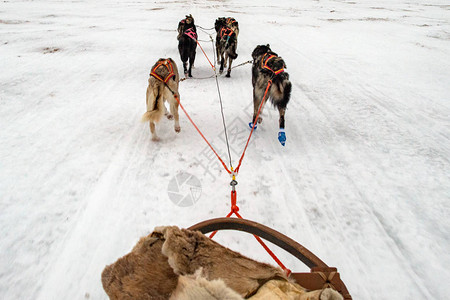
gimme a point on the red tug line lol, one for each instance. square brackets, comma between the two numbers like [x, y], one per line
[233, 173]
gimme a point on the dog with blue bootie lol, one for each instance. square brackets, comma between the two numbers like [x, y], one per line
[269, 70]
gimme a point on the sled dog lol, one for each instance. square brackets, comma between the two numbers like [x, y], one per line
[187, 45]
[269, 67]
[162, 86]
[227, 30]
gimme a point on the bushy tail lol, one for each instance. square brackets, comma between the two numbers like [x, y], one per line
[287, 87]
[284, 87]
[155, 104]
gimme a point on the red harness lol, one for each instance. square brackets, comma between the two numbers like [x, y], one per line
[265, 60]
[168, 65]
[191, 33]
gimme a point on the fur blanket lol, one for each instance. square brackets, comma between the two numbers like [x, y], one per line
[179, 264]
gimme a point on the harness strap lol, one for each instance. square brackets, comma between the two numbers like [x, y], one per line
[226, 31]
[265, 60]
[191, 33]
[168, 65]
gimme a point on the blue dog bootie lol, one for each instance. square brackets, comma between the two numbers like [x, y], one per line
[282, 136]
[251, 125]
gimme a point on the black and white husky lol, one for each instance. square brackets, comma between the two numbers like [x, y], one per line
[269, 67]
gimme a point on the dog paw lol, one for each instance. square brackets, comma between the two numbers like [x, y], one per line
[228, 75]
[155, 138]
[169, 116]
[282, 137]
[177, 129]
[259, 120]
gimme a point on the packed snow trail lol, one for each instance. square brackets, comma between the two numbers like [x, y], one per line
[362, 182]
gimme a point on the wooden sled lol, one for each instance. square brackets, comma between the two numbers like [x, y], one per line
[321, 275]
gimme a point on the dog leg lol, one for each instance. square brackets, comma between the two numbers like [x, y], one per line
[221, 67]
[174, 111]
[185, 68]
[229, 67]
[173, 103]
[217, 53]
[256, 103]
[153, 131]
[167, 114]
[260, 119]
[282, 111]
[257, 98]
[282, 133]
[191, 62]
[221, 61]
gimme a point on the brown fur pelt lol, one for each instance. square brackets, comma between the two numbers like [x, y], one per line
[158, 92]
[152, 268]
[143, 274]
[188, 251]
[284, 290]
[196, 287]
[180, 264]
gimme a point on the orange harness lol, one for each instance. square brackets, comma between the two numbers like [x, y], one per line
[166, 63]
[265, 60]
[226, 31]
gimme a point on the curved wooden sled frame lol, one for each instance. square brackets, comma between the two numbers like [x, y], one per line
[321, 275]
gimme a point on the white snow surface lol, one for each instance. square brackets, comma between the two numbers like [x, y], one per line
[363, 181]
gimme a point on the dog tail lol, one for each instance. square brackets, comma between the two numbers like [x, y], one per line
[284, 87]
[155, 105]
[287, 86]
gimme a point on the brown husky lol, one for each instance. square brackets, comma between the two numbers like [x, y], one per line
[162, 86]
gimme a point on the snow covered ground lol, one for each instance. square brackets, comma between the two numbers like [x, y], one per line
[363, 181]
